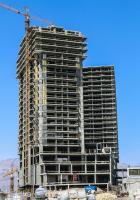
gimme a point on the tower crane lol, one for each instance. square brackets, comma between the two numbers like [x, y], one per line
[26, 14]
[11, 174]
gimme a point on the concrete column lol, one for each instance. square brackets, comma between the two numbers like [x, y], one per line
[85, 168]
[110, 166]
[71, 168]
[95, 167]
[58, 168]
[61, 178]
[82, 117]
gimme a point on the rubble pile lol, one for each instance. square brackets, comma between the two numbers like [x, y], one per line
[106, 196]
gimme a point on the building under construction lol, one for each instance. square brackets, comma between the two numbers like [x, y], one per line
[100, 112]
[54, 147]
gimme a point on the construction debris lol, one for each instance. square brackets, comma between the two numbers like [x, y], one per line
[106, 196]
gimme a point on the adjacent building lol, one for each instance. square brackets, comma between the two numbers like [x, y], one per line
[54, 147]
[131, 183]
[100, 108]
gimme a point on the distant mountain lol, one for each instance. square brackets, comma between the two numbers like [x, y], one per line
[5, 166]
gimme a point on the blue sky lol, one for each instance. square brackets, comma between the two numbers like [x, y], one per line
[113, 31]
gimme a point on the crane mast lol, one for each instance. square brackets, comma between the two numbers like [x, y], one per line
[27, 19]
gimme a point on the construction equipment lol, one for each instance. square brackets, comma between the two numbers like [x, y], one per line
[27, 15]
[11, 174]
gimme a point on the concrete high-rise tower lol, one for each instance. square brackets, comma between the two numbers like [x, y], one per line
[52, 144]
[51, 135]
